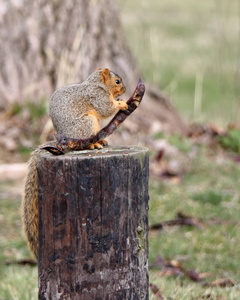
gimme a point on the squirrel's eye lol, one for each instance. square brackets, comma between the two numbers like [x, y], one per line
[117, 81]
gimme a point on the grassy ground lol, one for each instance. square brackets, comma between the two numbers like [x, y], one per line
[209, 189]
[17, 282]
[191, 51]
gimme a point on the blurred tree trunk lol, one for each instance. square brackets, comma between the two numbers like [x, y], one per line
[52, 43]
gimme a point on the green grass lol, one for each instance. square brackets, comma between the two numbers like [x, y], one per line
[209, 191]
[191, 51]
[17, 282]
[231, 140]
[35, 110]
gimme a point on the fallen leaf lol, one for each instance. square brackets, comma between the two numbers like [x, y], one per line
[159, 155]
[181, 219]
[223, 282]
[156, 291]
[26, 261]
[193, 275]
[175, 268]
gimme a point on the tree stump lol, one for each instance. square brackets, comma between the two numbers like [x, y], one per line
[93, 224]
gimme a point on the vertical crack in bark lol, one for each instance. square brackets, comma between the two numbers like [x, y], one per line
[101, 194]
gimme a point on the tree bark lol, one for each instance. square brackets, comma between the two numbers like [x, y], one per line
[52, 43]
[93, 224]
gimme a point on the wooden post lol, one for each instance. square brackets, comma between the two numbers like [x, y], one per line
[93, 224]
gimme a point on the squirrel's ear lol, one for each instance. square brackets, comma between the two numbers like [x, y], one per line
[98, 69]
[105, 75]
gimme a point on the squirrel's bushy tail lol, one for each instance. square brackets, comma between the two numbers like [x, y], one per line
[30, 204]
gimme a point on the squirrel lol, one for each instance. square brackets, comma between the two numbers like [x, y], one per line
[75, 111]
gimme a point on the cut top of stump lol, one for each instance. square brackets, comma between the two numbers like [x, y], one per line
[118, 151]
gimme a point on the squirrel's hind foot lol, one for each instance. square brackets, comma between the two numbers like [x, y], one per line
[98, 145]
[103, 142]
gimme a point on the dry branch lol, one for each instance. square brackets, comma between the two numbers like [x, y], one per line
[181, 219]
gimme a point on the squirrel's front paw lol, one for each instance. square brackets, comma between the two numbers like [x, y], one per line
[122, 105]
